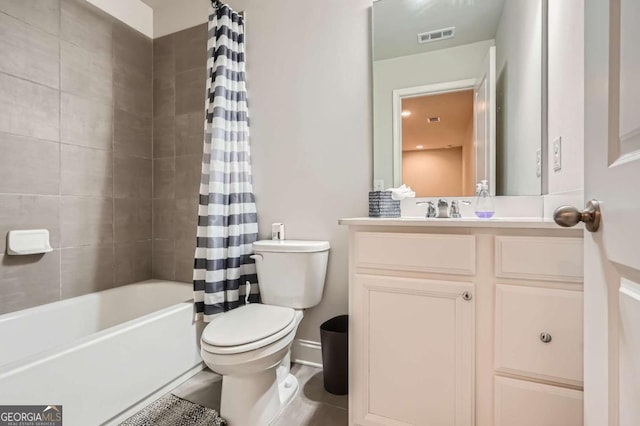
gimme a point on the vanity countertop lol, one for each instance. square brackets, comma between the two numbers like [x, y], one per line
[465, 222]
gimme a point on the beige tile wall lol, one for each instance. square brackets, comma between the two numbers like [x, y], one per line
[76, 157]
[178, 122]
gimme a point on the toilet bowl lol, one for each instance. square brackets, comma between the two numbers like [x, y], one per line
[256, 383]
[250, 345]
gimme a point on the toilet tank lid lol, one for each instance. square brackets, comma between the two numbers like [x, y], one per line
[291, 246]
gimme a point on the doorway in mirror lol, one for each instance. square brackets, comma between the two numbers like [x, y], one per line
[445, 135]
[438, 144]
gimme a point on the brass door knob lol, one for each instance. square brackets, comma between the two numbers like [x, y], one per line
[569, 216]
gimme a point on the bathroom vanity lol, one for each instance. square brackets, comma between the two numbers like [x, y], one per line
[465, 322]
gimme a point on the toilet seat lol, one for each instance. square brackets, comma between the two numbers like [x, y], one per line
[248, 328]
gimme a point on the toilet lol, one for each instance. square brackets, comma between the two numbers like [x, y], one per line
[250, 346]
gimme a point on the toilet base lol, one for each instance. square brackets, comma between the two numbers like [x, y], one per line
[257, 384]
[257, 399]
[287, 389]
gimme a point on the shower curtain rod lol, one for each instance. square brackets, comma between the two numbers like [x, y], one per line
[218, 3]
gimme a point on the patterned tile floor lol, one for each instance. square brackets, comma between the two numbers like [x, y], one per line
[312, 406]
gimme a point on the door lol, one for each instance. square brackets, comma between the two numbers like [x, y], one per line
[612, 175]
[414, 346]
[484, 110]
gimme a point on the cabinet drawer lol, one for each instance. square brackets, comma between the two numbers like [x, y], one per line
[436, 253]
[539, 258]
[522, 314]
[522, 403]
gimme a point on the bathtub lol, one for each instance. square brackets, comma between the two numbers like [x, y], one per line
[101, 356]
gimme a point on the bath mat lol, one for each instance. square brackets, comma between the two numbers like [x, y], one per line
[173, 411]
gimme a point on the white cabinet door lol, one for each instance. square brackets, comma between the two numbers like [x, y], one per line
[412, 352]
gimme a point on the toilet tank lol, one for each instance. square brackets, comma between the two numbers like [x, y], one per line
[291, 273]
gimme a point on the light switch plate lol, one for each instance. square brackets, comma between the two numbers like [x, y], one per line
[378, 184]
[557, 154]
[539, 163]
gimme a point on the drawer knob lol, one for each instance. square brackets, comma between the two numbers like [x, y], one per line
[545, 337]
[467, 296]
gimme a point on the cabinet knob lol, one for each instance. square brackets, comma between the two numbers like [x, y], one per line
[467, 296]
[545, 337]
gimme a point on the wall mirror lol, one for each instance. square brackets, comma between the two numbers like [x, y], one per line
[459, 95]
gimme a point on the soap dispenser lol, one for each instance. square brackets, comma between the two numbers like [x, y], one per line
[484, 202]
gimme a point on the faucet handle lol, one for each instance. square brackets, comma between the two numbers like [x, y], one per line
[455, 208]
[431, 209]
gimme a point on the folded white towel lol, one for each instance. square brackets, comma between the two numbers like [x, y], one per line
[402, 192]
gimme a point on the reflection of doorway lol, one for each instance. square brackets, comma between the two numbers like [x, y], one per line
[483, 89]
[438, 144]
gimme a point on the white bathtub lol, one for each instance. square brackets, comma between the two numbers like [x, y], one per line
[102, 355]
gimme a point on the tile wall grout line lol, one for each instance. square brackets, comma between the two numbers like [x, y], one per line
[173, 127]
[60, 143]
[113, 157]
[153, 162]
[36, 83]
[34, 138]
[29, 24]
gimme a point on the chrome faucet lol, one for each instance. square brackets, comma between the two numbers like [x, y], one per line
[455, 208]
[443, 209]
[431, 209]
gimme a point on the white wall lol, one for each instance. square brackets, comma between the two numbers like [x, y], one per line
[434, 172]
[170, 16]
[309, 84]
[519, 97]
[134, 13]
[457, 63]
[566, 93]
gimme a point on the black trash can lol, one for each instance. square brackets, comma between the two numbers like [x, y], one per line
[334, 338]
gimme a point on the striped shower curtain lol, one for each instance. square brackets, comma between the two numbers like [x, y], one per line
[227, 220]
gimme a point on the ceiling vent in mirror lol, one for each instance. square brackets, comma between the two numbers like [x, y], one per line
[437, 35]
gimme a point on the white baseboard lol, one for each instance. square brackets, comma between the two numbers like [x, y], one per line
[306, 352]
[119, 418]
